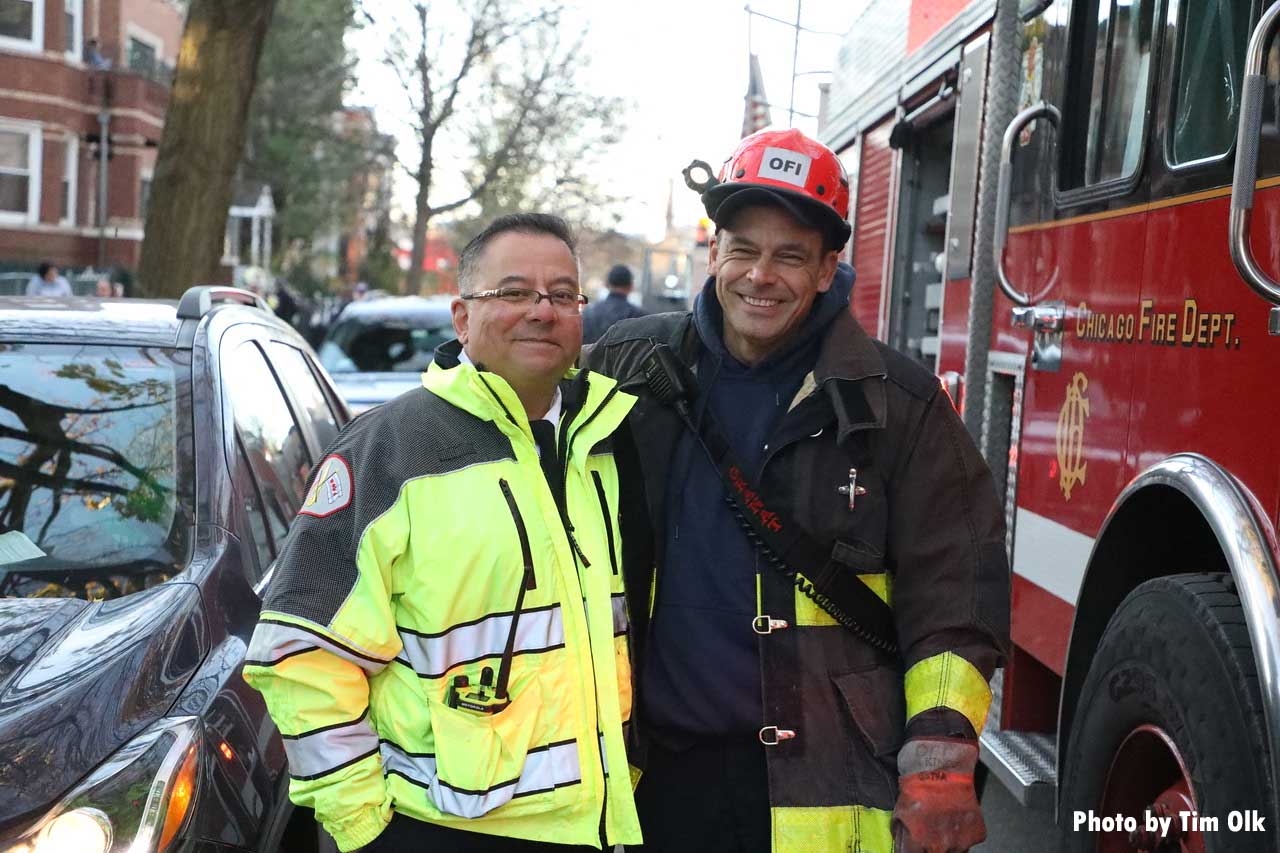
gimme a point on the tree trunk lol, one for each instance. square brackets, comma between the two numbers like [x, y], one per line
[200, 147]
[421, 219]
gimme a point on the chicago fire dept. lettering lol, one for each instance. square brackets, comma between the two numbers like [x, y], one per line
[1070, 438]
[1189, 326]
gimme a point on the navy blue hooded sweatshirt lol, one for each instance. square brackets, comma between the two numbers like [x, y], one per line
[702, 678]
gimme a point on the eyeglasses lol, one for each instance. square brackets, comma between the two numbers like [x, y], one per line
[561, 300]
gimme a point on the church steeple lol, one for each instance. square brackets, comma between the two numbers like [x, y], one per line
[671, 220]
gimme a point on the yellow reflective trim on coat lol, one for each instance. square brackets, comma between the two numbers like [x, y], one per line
[831, 829]
[809, 614]
[948, 681]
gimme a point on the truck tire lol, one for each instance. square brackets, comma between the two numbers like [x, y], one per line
[1169, 716]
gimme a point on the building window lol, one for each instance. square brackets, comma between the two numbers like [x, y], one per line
[22, 24]
[73, 17]
[142, 57]
[19, 173]
[144, 196]
[70, 180]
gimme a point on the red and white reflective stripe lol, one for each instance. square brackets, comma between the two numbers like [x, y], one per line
[1050, 555]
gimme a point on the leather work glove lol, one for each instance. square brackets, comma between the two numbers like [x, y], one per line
[937, 809]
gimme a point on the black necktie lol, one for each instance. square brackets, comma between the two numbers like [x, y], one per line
[544, 435]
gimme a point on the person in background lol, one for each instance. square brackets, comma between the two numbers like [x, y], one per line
[764, 723]
[104, 289]
[597, 319]
[47, 282]
[444, 644]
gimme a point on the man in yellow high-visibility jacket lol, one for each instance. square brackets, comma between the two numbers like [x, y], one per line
[444, 643]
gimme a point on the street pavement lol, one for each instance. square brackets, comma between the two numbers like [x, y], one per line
[1012, 828]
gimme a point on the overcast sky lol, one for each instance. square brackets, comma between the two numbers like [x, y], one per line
[682, 66]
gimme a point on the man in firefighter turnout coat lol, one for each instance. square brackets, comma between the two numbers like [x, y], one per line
[781, 704]
[443, 645]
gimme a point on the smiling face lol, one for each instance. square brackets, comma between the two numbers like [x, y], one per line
[769, 268]
[530, 346]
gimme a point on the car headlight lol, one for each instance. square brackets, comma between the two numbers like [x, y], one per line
[135, 802]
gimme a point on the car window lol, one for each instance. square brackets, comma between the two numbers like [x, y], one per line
[260, 527]
[294, 372]
[1106, 117]
[272, 439]
[1212, 37]
[95, 482]
[384, 345]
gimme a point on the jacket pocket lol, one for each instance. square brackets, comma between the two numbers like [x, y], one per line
[479, 757]
[877, 705]
[861, 557]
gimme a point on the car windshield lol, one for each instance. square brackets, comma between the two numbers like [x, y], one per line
[384, 344]
[93, 495]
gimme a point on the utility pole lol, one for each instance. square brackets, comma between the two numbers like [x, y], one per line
[104, 152]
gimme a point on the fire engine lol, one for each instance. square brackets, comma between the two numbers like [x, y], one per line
[1070, 210]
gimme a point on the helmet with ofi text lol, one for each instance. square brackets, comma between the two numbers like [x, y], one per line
[786, 169]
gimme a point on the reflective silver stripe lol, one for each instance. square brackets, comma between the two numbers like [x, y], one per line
[604, 756]
[273, 642]
[544, 769]
[620, 621]
[432, 657]
[325, 750]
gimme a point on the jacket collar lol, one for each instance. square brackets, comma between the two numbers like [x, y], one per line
[599, 405]
[849, 370]
[852, 372]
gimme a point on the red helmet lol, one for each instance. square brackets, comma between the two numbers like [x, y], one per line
[788, 169]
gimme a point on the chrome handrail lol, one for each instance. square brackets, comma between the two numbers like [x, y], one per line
[1248, 141]
[1005, 191]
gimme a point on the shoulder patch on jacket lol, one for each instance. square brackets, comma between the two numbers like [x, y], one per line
[332, 488]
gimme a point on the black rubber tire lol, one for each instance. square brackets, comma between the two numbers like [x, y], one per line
[1176, 654]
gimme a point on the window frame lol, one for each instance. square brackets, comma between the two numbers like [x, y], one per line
[229, 351]
[272, 549]
[1176, 19]
[76, 51]
[35, 171]
[150, 39]
[296, 403]
[35, 44]
[71, 179]
[1124, 185]
[146, 178]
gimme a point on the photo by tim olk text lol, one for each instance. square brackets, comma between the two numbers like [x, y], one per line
[1160, 826]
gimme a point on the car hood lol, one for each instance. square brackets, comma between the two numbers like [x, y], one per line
[366, 390]
[79, 679]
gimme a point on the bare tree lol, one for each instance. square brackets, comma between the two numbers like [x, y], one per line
[202, 142]
[509, 90]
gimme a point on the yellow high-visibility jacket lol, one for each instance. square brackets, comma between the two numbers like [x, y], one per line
[403, 570]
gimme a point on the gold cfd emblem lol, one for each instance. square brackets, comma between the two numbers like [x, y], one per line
[1070, 439]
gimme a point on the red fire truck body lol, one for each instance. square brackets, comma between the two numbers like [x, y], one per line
[1127, 409]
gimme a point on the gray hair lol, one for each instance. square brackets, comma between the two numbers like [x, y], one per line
[520, 223]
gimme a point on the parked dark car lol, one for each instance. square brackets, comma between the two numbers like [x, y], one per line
[151, 459]
[377, 348]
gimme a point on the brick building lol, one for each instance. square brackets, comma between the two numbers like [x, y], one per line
[67, 67]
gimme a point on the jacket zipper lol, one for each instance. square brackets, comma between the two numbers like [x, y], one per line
[563, 453]
[528, 581]
[565, 444]
[608, 525]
